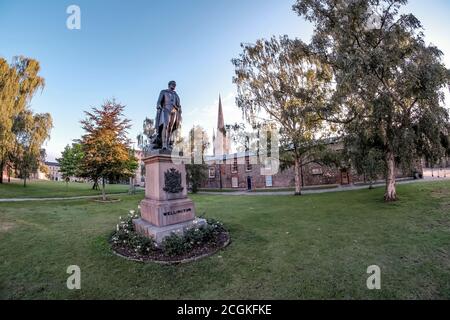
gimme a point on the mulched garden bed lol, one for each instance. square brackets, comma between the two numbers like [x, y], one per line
[158, 256]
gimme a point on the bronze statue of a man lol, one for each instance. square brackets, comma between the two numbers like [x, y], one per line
[168, 117]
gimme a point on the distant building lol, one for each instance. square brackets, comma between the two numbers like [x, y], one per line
[54, 173]
[139, 178]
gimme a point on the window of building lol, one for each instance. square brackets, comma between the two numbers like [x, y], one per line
[317, 171]
[234, 182]
[248, 165]
[212, 172]
[269, 181]
[234, 166]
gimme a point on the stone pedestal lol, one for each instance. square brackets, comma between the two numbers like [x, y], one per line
[166, 208]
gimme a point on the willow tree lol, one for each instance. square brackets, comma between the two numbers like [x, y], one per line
[380, 58]
[30, 131]
[19, 81]
[278, 86]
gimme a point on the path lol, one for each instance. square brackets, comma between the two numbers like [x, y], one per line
[61, 198]
[243, 193]
[338, 189]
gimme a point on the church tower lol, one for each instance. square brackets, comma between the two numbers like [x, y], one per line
[221, 143]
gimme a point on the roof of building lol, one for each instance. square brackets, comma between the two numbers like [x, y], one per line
[53, 164]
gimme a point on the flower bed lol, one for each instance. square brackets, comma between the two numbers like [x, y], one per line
[196, 243]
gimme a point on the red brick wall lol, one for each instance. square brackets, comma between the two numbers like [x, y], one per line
[283, 179]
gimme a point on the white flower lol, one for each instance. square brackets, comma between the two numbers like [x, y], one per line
[117, 228]
[132, 211]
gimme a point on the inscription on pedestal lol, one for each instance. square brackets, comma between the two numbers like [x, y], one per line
[172, 213]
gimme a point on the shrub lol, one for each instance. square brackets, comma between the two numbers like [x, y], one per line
[175, 245]
[125, 235]
[192, 238]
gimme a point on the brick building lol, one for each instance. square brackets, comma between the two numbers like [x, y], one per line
[243, 171]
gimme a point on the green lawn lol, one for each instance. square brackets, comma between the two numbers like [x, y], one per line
[284, 247]
[52, 189]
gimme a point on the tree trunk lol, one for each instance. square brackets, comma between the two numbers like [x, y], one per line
[2, 167]
[103, 190]
[132, 187]
[25, 181]
[391, 193]
[298, 177]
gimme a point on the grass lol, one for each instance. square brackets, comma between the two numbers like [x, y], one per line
[284, 247]
[52, 189]
[320, 187]
[221, 190]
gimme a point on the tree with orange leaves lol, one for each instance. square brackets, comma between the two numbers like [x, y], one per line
[106, 147]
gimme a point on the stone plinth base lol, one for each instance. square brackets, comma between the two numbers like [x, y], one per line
[169, 212]
[159, 233]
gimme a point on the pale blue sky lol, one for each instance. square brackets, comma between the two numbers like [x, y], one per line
[131, 49]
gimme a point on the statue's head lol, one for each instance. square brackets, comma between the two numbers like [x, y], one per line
[172, 85]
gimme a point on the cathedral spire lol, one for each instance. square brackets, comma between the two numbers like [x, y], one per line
[214, 142]
[220, 121]
[221, 145]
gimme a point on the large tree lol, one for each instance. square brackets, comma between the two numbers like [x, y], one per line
[30, 131]
[18, 83]
[380, 60]
[105, 145]
[279, 86]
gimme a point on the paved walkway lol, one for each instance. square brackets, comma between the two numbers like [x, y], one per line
[338, 189]
[243, 193]
[59, 199]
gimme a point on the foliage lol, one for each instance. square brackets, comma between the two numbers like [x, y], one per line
[106, 148]
[387, 78]
[19, 81]
[175, 244]
[196, 174]
[365, 152]
[197, 170]
[30, 131]
[125, 235]
[70, 161]
[283, 88]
